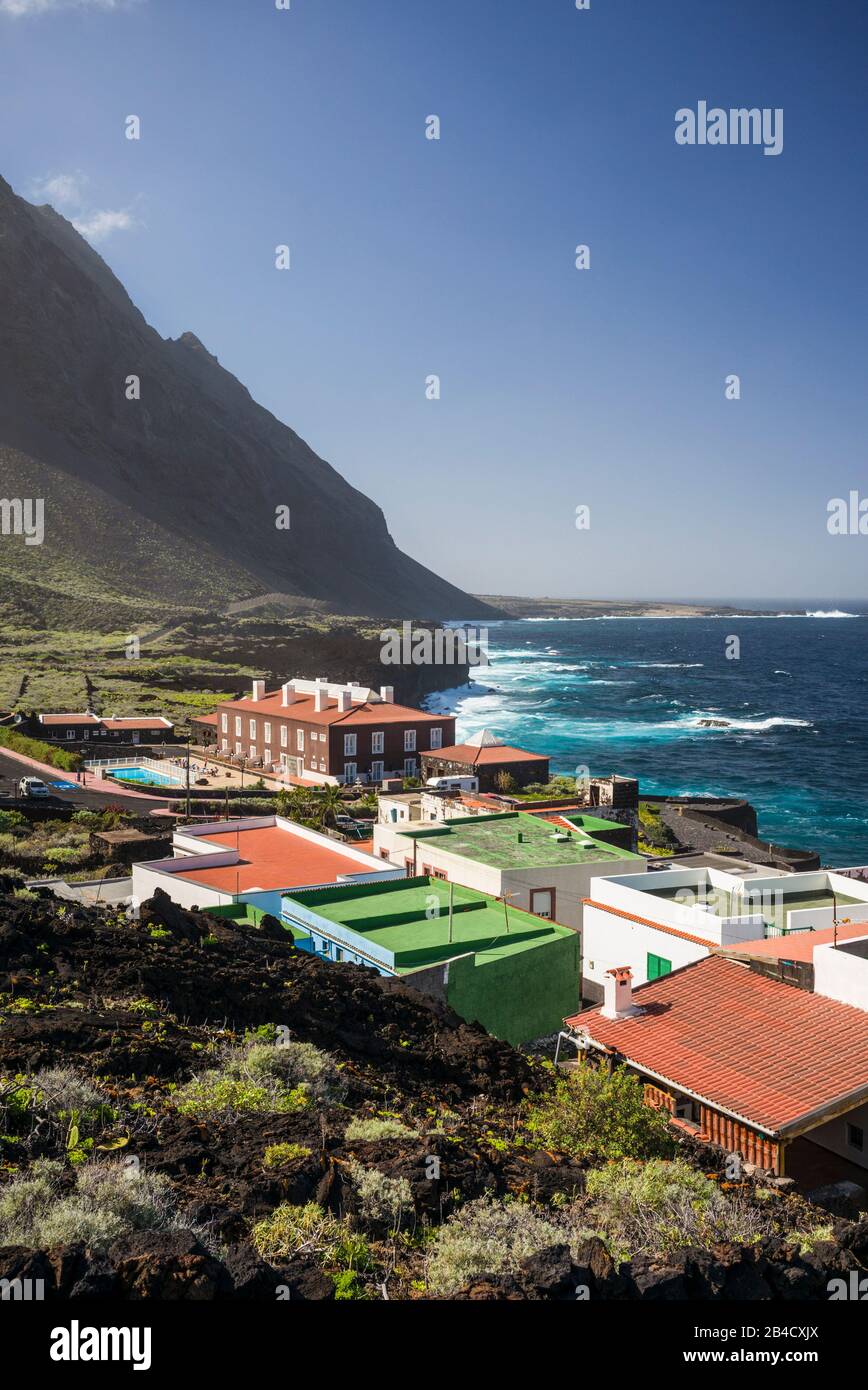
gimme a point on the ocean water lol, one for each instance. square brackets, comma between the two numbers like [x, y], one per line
[629, 695]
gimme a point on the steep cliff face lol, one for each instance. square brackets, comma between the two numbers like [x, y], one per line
[173, 495]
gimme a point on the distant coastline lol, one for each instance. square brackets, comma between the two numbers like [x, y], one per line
[542, 608]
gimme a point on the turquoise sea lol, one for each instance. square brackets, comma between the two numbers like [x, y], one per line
[631, 695]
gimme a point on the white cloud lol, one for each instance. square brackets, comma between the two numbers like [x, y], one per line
[69, 192]
[28, 7]
[96, 226]
[61, 190]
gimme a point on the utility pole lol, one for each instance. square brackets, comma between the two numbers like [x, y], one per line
[189, 736]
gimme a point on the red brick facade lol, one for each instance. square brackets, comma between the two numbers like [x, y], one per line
[368, 739]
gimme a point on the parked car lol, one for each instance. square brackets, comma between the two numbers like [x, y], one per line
[32, 786]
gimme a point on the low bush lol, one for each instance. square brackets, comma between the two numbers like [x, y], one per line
[263, 1077]
[371, 1130]
[660, 1206]
[107, 1200]
[594, 1114]
[42, 752]
[309, 1230]
[381, 1200]
[280, 1155]
[488, 1236]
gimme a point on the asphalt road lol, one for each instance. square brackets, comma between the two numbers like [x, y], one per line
[11, 772]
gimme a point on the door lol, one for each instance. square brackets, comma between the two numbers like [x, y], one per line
[542, 902]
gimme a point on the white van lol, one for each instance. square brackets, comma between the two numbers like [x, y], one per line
[453, 784]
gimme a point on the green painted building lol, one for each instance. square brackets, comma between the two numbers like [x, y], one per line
[516, 974]
[545, 866]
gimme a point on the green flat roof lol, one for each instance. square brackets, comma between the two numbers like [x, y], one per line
[494, 840]
[397, 916]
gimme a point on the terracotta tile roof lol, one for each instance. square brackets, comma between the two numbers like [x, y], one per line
[795, 945]
[646, 922]
[204, 719]
[302, 709]
[473, 756]
[765, 1052]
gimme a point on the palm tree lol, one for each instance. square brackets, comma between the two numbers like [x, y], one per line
[329, 803]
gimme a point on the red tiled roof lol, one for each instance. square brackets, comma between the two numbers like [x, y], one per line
[133, 723]
[68, 719]
[302, 709]
[795, 945]
[499, 753]
[204, 719]
[646, 922]
[270, 858]
[765, 1052]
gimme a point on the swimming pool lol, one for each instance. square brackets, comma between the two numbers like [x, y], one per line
[145, 775]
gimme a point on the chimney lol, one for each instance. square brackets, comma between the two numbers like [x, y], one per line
[387, 694]
[287, 691]
[258, 690]
[618, 993]
[320, 695]
[345, 699]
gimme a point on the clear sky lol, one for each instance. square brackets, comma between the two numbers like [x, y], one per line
[410, 257]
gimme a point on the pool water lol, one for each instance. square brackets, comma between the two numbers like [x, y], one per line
[145, 775]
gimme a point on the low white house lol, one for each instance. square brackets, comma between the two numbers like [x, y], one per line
[253, 860]
[657, 922]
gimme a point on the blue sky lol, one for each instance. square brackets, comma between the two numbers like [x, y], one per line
[456, 257]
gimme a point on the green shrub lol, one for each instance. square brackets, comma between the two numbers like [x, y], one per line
[656, 1207]
[264, 1077]
[290, 1229]
[371, 1130]
[279, 1155]
[42, 752]
[594, 1114]
[11, 820]
[107, 1201]
[381, 1199]
[488, 1237]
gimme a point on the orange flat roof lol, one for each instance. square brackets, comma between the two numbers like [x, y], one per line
[270, 858]
[798, 945]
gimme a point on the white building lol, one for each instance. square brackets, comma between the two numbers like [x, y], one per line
[659, 921]
[253, 860]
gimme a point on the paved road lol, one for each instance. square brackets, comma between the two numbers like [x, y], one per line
[11, 772]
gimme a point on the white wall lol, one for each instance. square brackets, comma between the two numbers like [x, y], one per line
[609, 941]
[146, 878]
[841, 975]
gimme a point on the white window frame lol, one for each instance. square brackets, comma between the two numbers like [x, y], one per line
[266, 733]
[350, 741]
[436, 739]
[252, 730]
[377, 771]
[284, 736]
[238, 726]
[378, 741]
[351, 772]
[409, 740]
[224, 722]
[409, 767]
[299, 740]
